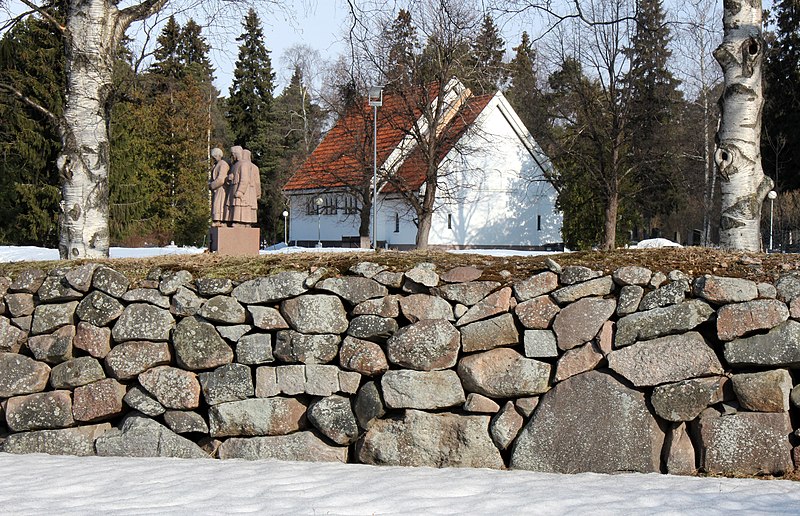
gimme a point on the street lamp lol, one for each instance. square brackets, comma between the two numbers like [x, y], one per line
[375, 99]
[285, 227]
[772, 195]
[318, 201]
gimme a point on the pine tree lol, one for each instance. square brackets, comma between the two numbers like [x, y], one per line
[780, 147]
[654, 99]
[252, 120]
[488, 72]
[32, 60]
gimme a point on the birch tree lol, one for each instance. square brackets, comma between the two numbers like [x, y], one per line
[743, 184]
[92, 34]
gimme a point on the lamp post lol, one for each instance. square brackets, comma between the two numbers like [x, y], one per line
[771, 196]
[375, 99]
[285, 227]
[318, 201]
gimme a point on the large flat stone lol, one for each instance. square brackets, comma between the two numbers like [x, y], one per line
[746, 444]
[424, 390]
[299, 446]
[198, 345]
[432, 440]
[685, 400]
[590, 422]
[353, 289]
[716, 289]
[503, 373]
[172, 387]
[141, 321]
[738, 319]
[67, 441]
[21, 375]
[468, 293]
[489, 334]
[292, 346]
[40, 411]
[780, 347]
[144, 437]
[426, 345]
[666, 359]
[129, 359]
[658, 322]
[418, 307]
[579, 322]
[318, 313]
[271, 289]
[259, 416]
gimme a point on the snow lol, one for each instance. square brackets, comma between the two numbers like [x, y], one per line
[39, 484]
[30, 253]
[654, 243]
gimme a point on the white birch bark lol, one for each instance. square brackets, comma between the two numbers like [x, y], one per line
[94, 29]
[743, 184]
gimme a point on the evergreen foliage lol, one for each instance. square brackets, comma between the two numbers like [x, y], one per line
[488, 73]
[653, 114]
[32, 61]
[524, 93]
[403, 48]
[183, 99]
[780, 147]
[252, 119]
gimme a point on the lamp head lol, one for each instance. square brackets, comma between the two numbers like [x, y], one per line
[375, 96]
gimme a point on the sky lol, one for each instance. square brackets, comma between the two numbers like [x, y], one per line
[43, 484]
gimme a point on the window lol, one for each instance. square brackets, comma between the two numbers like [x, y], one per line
[538, 223]
[396, 222]
[449, 221]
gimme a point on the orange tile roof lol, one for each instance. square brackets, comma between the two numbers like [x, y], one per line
[344, 157]
[411, 174]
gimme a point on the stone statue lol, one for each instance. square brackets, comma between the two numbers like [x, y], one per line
[230, 186]
[219, 195]
[245, 189]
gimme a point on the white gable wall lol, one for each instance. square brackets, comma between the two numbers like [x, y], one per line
[493, 192]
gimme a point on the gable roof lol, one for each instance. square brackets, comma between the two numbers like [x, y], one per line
[344, 157]
[411, 174]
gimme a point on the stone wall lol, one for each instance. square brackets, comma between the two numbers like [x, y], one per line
[566, 371]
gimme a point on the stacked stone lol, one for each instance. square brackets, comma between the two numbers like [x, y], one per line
[569, 370]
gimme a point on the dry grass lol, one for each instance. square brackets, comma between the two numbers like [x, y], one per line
[694, 261]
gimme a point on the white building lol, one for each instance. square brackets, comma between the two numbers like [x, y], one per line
[492, 189]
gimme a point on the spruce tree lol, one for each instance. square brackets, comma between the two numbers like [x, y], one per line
[252, 120]
[183, 98]
[524, 92]
[32, 60]
[167, 59]
[652, 113]
[488, 72]
[403, 47]
[780, 147]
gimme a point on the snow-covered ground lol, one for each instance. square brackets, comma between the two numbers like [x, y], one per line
[41, 484]
[30, 253]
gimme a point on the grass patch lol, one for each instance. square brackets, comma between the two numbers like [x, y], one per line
[694, 261]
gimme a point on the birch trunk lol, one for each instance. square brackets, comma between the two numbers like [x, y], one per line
[94, 29]
[743, 184]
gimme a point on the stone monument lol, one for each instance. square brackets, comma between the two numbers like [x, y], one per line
[234, 209]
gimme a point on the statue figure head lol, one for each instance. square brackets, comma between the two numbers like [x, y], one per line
[246, 155]
[236, 152]
[216, 153]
